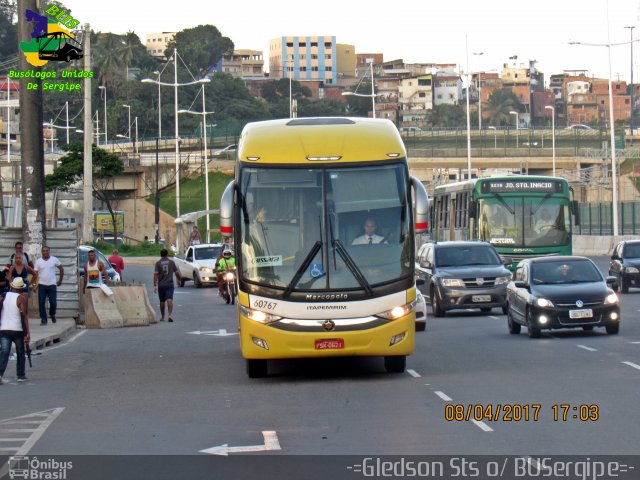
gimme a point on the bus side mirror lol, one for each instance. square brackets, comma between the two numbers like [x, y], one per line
[575, 209]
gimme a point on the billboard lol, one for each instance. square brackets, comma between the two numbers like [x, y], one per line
[103, 222]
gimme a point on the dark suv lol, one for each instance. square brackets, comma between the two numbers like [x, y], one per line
[625, 265]
[463, 275]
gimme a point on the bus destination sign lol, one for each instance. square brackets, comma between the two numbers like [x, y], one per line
[521, 185]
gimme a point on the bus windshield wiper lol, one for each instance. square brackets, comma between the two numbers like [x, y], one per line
[507, 206]
[305, 264]
[351, 265]
[539, 204]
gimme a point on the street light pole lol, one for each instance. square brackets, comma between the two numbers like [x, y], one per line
[373, 94]
[101, 87]
[128, 107]
[468, 113]
[159, 107]
[517, 133]
[553, 134]
[631, 118]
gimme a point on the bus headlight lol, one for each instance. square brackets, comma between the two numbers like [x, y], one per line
[611, 298]
[631, 270]
[397, 312]
[543, 302]
[452, 282]
[258, 316]
[501, 280]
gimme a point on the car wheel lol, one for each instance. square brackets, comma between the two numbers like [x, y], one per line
[624, 285]
[395, 364]
[486, 309]
[514, 328]
[196, 280]
[505, 309]
[256, 368]
[435, 306]
[587, 328]
[421, 326]
[182, 282]
[613, 329]
[532, 330]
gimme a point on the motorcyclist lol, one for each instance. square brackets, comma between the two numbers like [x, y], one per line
[225, 264]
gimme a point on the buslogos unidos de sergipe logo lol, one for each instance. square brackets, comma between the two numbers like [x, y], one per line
[53, 37]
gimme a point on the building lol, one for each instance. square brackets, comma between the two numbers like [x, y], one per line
[523, 78]
[157, 43]
[447, 90]
[415, 98]
[10, 88]
[304, 58]
[363, 61]
[244, 64]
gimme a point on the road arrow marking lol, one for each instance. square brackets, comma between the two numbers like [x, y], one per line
[270, 443]
[213, 333]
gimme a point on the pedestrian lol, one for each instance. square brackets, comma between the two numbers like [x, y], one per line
[14, 328]
[19, 250]
[117, 261]
[48, 285]
[94, 272]
[163, 282]
[23, 270]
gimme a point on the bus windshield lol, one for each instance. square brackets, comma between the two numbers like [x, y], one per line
[523, 221]
[325, 228]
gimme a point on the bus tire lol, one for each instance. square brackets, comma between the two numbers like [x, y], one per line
[514, 327]
[435, 306]
[256, 368]
[395, 364]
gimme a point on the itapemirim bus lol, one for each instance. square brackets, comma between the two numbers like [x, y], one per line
[521, 216]
[302, 191]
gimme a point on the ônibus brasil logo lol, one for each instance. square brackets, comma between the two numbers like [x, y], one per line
[53, 37]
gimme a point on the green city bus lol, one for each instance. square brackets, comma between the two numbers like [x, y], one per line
[521, 216]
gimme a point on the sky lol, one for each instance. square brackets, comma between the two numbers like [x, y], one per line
[413, 30]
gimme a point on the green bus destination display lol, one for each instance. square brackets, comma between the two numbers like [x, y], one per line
[509, 186]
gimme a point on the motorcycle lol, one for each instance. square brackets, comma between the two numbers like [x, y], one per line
[230, 288]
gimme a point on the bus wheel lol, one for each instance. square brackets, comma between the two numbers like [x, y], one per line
[256, 368]
[395, 364]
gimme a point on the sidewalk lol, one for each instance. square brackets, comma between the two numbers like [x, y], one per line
[51, 333]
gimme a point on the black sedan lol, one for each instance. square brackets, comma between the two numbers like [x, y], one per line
[561, 292]
[625, 265]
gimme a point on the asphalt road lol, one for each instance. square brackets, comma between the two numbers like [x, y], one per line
[164, 390]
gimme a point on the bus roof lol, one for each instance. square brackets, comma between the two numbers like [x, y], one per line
[320, 139]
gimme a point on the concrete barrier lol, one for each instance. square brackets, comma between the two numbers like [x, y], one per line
[591, 245]
[129, 306]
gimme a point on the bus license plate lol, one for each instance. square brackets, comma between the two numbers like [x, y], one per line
[586, 313]
[481, 298]
[330, 344]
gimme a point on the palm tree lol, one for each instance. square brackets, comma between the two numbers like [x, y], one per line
[501, 102]
[108, 56]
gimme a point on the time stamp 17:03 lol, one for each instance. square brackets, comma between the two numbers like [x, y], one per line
[513, 412]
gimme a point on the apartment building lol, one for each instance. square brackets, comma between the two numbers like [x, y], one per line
[157, 43]
[244, 64]
[415, 98]
[447, 90]
[9, 88]
[523, 78]
[300, 58]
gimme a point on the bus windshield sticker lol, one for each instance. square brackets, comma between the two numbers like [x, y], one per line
[316, 270]
[270, 261]
[503, 241]
[506, 186]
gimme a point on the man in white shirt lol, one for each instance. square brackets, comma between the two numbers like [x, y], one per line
[47, 288]
[369, 236]
[14, 328]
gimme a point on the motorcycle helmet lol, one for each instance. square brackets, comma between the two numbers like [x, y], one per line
[227, 253]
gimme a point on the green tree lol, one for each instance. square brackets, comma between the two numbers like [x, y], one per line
[359, 106]
[200, 48]
[230, 98]
[501, 102]
[8, 29]
[321, 108]
[446, 115]
[107, 54]
[70, 171]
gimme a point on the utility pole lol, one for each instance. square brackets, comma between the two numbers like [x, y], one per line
[157, 199]
[31, 141]
[87, 188]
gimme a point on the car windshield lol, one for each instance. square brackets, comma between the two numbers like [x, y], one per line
[573, 271]
[632, 250]
[208, 253]
[466, 256]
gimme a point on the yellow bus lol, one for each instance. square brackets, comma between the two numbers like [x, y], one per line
[323, 215]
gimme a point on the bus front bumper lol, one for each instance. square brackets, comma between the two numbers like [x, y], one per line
[262, 341]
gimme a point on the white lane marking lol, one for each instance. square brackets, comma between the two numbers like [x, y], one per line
[494, 317]
[443, 396]
[482, 425]
[636, 343]
[584, 347]
[637, 367]
[270, 443]
[413, 373]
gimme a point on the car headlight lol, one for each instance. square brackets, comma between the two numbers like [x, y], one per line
[631, 270]
[259, 316]
[611, 299]
[452, 282]
[397, 312]
[206, 269]
[501, 280]
[543, 302]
